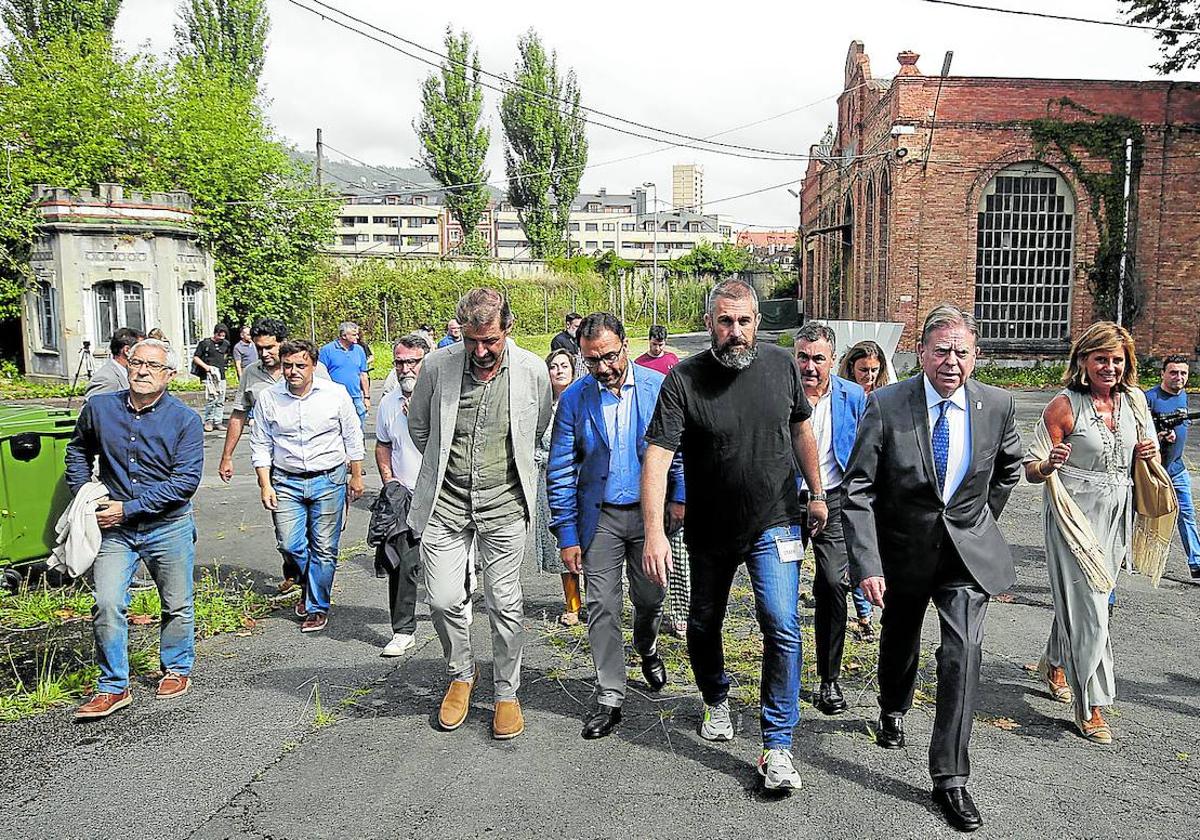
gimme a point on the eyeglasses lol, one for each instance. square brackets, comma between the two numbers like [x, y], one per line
[155, 367]
[401, 364]
[593, 362]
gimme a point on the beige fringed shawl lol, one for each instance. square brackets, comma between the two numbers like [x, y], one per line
[1151, 535]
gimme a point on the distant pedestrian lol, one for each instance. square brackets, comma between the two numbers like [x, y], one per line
[113, 375]
[149, 448]
[866, 365]
[1167, 398]
[244, 352]
[399, 462]
[658, 357]
[738, 415]
[346, 362]
[477, 413]
[566, 339]
[307, 448]
[453, 333]
[209, 363]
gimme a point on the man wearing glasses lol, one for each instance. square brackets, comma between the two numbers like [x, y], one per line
[593, 480]
[150, 450]
[399, 460]
[476, 413]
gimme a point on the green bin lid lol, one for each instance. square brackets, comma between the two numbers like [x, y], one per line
[43, 419]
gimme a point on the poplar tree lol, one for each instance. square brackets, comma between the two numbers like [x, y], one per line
[38, 22]
[226, 34]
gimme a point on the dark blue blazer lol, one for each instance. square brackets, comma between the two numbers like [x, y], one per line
[577, 471]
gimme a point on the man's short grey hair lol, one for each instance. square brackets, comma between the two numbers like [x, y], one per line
[948, 315]
[413, 341]
[155, 343]
[480, 307]
[814, 331]
[734, 289]
[346, 326]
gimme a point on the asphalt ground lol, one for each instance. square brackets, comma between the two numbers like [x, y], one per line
[284, 736]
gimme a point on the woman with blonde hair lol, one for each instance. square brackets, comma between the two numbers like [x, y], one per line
[561, 366]
[1084, 452]
[865, 364]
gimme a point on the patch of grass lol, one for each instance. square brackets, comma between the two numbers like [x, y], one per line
[41, 606]
[145, 660]
[51, 688]
[222, 604]
[349, 552]
[1038, 376]
[322, 717]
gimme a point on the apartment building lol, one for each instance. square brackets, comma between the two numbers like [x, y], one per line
[687, 187]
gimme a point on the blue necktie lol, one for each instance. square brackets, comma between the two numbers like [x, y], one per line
[941, 445]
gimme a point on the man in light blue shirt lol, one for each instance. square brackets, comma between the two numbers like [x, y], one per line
[593, 479]
[346, 362]
[453, 334]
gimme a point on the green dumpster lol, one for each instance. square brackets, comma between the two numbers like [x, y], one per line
[33, 487]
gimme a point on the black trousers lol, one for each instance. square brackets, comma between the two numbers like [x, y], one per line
[831, 585]
[962, 607]
[402, 583]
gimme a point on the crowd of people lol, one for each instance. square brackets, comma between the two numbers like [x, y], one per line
[665, 476]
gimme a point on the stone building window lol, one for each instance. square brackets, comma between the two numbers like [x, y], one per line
[47, 311]
[1023, 256]
[119, 304]
[189, 298]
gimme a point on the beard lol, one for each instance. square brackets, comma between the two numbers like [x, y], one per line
[735, 355]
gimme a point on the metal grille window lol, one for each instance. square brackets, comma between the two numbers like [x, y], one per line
[1023, 256]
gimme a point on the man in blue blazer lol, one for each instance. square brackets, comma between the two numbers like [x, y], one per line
[837, 405]
[594, 484]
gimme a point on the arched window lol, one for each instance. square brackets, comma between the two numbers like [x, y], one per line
[1024, 251]
[845, 300]
[870, 302]
[882, 301]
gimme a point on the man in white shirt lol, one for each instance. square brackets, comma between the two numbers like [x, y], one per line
[837, 406]
[305, 440]
[398, 459]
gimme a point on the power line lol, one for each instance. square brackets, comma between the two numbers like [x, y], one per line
[734, 149]
[391, 175]
[1071, 18]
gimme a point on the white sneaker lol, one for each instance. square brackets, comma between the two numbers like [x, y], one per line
[718, 723]
[777, 770]
[400, 644]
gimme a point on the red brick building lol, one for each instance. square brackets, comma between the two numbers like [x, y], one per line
[1007, 195]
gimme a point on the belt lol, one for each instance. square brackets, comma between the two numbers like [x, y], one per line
[629, 506]
[309, 474]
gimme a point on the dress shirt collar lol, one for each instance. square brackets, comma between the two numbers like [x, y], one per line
[625, 386]
[149, 408]
[318, 384]
[932, 397]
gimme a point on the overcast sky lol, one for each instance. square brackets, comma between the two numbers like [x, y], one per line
[694, 68]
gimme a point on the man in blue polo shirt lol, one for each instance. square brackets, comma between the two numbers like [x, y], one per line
[1163, 399]
[347, 365]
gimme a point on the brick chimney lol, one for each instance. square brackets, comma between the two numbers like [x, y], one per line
[908, 63]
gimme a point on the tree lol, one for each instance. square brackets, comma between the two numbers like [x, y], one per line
[545, 147]
[1180, 51]
[454, 143]
[719, 261]
[39, 22]
[231, 34]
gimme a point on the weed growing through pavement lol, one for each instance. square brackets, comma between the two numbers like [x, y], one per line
[322, 717]
[52, 687]
[222, 605]
[43, 606]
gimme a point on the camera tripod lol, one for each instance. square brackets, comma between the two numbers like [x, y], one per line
[86, 362]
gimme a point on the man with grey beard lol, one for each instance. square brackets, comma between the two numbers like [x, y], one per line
[739, 416]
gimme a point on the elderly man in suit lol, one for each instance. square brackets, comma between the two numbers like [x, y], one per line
[476, 413]
[936, 459]
[837, 406]
[593, 481]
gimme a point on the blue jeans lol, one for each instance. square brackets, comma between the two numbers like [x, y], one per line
[308, 527]
[167, 547]
[775, 584]
[862, 607]
[1182, 481]
[360, 406]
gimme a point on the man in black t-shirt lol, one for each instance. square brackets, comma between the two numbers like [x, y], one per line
[209, 362]
[739, 416]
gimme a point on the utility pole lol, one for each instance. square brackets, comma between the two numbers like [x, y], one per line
[654, 269]
[320, 156]
[1124, 235]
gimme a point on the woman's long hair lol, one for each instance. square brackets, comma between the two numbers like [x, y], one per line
[1102, 335]
[864, 350]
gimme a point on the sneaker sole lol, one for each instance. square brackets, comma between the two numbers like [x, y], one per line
[173, 694]
[778, 785]
[120, 704]
[313, 629]
[507, 736]
[716, 737]
[450, 727]
[393, 653]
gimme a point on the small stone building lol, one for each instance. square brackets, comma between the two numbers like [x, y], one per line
[1006, 195]
[113, 259]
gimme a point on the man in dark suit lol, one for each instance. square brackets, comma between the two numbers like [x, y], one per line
[936, 459]
[594, 485]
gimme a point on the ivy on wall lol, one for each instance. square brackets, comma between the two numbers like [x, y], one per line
[1101, 140]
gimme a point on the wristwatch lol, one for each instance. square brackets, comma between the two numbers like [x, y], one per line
[817, 497]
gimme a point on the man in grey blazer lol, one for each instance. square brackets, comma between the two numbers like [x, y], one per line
[936, 458]
[477, 411]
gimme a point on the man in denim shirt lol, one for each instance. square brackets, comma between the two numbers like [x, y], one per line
[150, 450]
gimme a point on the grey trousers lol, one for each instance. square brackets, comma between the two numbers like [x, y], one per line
[616, 547]
[445, 556]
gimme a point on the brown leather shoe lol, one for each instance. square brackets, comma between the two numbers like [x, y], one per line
[508, 722]
[173, 685]
[1055, 680]
[314, 623]
[455, 704]
[102, 704]
[1095, 728]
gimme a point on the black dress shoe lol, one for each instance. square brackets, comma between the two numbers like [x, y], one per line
[890, 734]
[829, 699]
[655, 671]
[958, 809]
[602, 722]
